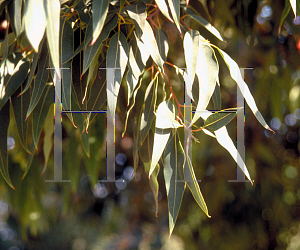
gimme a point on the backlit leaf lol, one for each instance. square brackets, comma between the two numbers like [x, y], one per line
[138, 14]
[175, 10]
[161, 4]
[100, 9]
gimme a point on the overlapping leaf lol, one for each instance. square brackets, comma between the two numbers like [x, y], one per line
[14, 9]
[175, 10]
[138, 14]
[161, 4]
[174, 177]
[100, 9]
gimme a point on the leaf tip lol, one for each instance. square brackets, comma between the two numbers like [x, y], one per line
[93, 41]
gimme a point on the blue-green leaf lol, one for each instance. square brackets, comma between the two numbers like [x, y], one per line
[175, 10]
[100, 9]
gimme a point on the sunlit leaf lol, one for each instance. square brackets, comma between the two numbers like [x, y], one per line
[206, 25]
[236, 75]
[100, 9]
[293, 4]
[52, 10]
[191, 48]
[219, 119]
[117, 57]
[151, 45]
[174, 177]
[138, 14]
[35, 21]
[161, 4]
[13, 73]
[175, 10]
[4, 118]
[207, 71]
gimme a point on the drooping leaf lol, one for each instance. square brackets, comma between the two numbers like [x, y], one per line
[40, 80]
[91, 51]
[151, 46]
[4, 118]
[284, 14]
[66, 79]
[100, 9]
[48, 139]
[207, 71]
[20, 106]
[11, 37]
[35, 21]
[13, 73]
[165, 120]
[14, 8]
[191, 48]
[65, 41]
[175, 10]
[117, 57]
[161, 4]
[40, 112]
[219, 119]
[174, 177]
[237, 77]
[225, 141]
[206, 25]
[148, 108]
[138, 14]
[293, 4]
[193, 185]
[5, 49]
[33, 66]
[217, 96]
[163, 43]
[52, 10]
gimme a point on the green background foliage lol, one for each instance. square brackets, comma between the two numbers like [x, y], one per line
[150, 42]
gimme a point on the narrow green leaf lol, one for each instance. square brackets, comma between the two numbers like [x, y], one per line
[33, 66]
[35, 21]
[154, 185]
[91, 51]
[206, 25]
[217, 96]
[52, 10]
[151, 46]
[15, 8]
[4, 118]
[219, 119]
[41, 111]
[48, 139]
[174, 177]
[138, 15]
[207, 71]
[11, 37]
[148, 108]
[191, 48]
[175, 10]
[13, 73]
[32, 150]
[164, 9]
[40, 80]
[284, 14]
[136, 142]
[117, 57]
[237, 77]
[65, 41]
[20, 106]
[194, 186]
[163, 43]
[66, 76]
[5, 49]
[100, 9]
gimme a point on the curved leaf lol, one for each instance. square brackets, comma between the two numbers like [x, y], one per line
[13, 73]
[191, 48]
[163, 43]
[138, 14]
[52, 10]
[14, 8]
[4, 118]
[35, 21]
[175, 10]
[237, 77]
[100, 9]
[206, 25]
[174, 177]
[161, 4]
[117, 57]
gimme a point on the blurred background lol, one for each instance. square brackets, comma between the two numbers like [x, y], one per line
[85, 214]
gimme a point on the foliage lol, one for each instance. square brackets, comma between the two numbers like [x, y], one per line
[135, 37]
